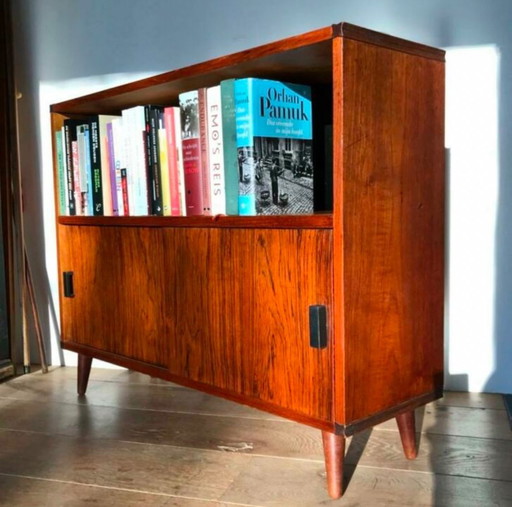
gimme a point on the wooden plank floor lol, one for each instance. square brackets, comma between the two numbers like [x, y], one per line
[135, 440]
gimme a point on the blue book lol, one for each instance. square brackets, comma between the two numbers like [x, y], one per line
[274, 147]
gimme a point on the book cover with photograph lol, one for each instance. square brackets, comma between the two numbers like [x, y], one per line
[191, 147]
[274, 147]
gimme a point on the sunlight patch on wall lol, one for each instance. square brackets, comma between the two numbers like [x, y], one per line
[51, 93]
[472, 139]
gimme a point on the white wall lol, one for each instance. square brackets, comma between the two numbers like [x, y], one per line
[66, 47]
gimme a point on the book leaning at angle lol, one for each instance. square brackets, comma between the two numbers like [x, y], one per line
[274, 147]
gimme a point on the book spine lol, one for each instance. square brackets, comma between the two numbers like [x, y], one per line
[148, 163]
[172, 161]
[124, 191]
[134, 127]
[179, 162]
[164, 169]
[215, 152]
[97, 191]
[106, 190]
[203, 143]
[120, 163]
[153, 169]
[85, 168]
[142, 190]
[191, 152]
[70, 183]
[231, 177]
[112, 169]
[76, 178]
[61, 173]
[245, 146]
[105, 176]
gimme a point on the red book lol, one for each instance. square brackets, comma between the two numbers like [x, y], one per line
[191, 152]
[172, 160]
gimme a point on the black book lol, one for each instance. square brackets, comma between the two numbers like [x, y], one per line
[95, 150]
[153, 116]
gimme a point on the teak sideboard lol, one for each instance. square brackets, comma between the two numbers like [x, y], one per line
[333, 319]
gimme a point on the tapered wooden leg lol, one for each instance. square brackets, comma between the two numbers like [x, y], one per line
[334, 452]
[407, 428]
[84, 369]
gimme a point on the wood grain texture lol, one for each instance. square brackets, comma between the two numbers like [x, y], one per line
[187, 311]
[393, 211]
[316, 221]
[334, 451]
[349, 31]
[243, 301]
[283, 60]
[289, 272]
[270, 482]
[155, 469]
[164, 374]
[118, 283]
[221, 304]
[472, 422]
[84, 370]
[74, 448]
[407, 428]
[25, 491]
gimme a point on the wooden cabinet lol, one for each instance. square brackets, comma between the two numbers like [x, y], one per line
[223, 304]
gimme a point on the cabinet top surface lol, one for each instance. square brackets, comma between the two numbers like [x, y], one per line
[306, 58]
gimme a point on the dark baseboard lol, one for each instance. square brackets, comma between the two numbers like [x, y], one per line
[507, 400]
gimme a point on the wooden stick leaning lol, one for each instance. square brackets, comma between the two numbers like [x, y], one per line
[35, 315]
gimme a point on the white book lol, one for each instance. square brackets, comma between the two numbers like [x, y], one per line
[215, 151]
[134, 125]
[119, 138]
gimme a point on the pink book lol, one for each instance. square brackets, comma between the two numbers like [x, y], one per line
[172, 158]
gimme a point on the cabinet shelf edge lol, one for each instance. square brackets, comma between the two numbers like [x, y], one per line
[317, 221]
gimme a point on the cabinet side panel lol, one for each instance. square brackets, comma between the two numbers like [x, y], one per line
[118, 281]
[393, 195]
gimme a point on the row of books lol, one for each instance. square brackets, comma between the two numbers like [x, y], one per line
[241, 147]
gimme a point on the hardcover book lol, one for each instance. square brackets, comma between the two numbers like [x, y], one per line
[274, 147]
[106, 190]
[215, 151]
[191, 152]
[112, 168]
[61, 172]
[95, 160]
[71, 168]
[153, 116]
[172, 123]
[84, 167]
[231, 180]
[134, 130]
[202, 108]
